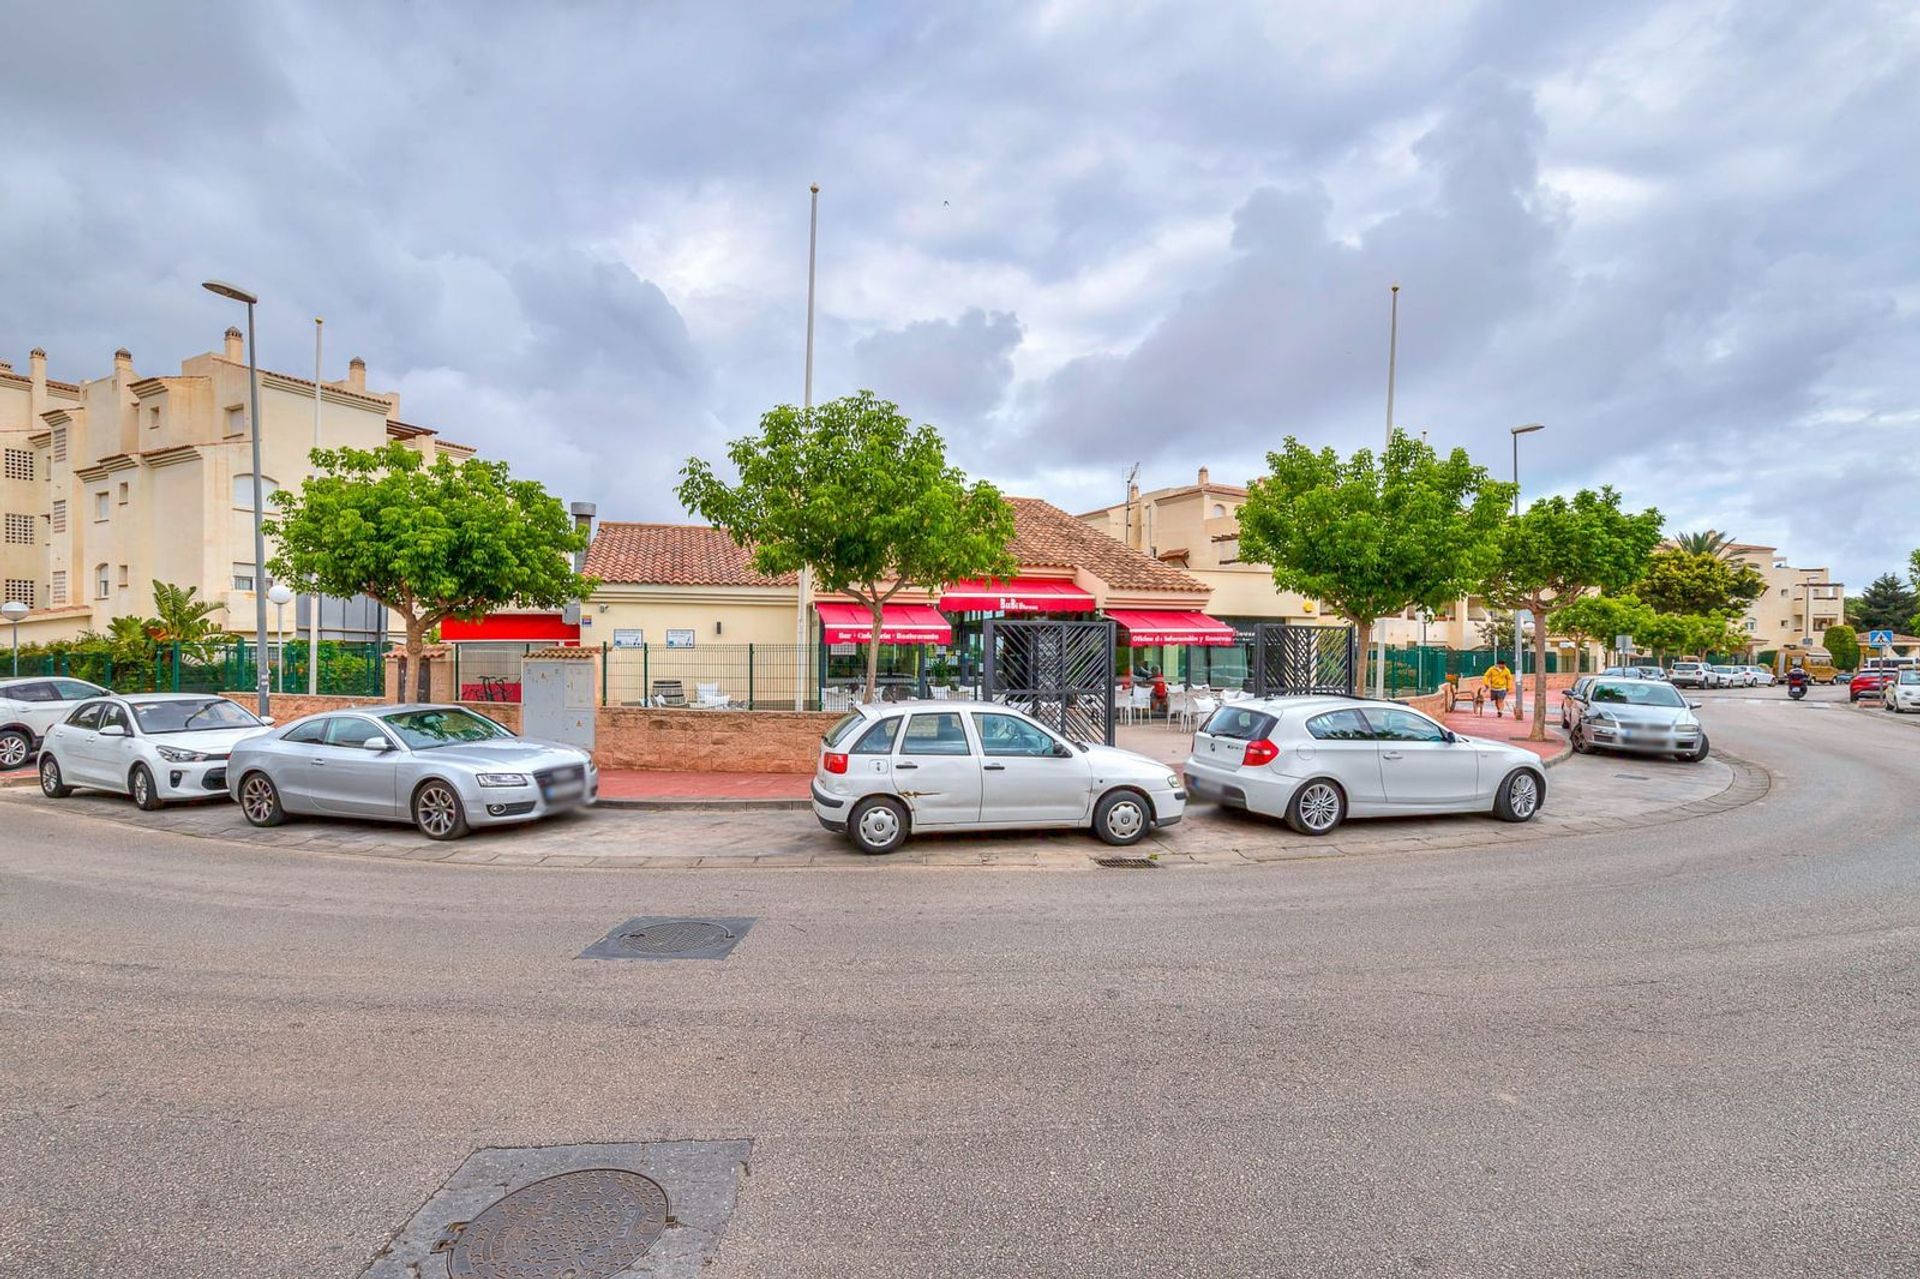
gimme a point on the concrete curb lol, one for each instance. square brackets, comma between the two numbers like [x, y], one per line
[708, 804]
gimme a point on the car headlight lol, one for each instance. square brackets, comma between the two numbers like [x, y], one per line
[503, 779]
[1173, 782]
[1605, 717]
[181, 755]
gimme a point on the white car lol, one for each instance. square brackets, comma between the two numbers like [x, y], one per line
[1903, 694]
[900, 767]
[155, 747]
[1317, 760]
[1690, 675]
[1762, 677]
[31, 706]
[1728, 677]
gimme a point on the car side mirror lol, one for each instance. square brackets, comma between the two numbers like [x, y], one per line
[1448, 736]
[115, 730]
[1062, 751]
[1693, 706]
[378, 745]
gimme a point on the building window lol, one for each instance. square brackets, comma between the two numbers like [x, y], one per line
[101, 582]
[236, 420]
[123, 575]
[19, 530]
[60, 517]
[1751, 624]
[59, 443]
[58, 595]
[1783, 592]
[243, 491]
[243, 577]
[1228, 549]
[123, 492]
[153, 418]
[100, 506]
[19, 464]
[1219, 511]
[19, 590]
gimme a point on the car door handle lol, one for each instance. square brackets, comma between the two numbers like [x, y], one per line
[993, 768]
[897, 767]
[318, 763]
[1389, 754]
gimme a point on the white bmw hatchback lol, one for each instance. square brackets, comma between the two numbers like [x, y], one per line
[1316, 761]
[154, 747]
[898, 767]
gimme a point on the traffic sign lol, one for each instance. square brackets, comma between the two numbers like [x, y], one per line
[1880, 639]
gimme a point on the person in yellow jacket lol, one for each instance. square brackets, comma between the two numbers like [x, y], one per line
[1499, 682]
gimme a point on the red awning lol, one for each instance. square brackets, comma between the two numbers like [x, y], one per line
[899, 623]
[1152, 626]
[529, 628]
[1021, 595]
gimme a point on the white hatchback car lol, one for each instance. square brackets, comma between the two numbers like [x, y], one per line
[155, 747]
[897, 767]
[31, 706]
[1317, 760]
[1903, 694]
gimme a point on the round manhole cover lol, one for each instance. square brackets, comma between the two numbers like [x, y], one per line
[675, 937]
[578, 1225]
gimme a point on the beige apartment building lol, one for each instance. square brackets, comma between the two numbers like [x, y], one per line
[114, 482]
[1796, 602]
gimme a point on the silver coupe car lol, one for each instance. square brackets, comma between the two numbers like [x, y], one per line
[443, 768]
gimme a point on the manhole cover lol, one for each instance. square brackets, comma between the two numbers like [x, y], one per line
[579, 1225]
[1126, 863]
[675, 937]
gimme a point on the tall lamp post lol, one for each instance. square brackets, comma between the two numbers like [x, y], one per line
[1519, 661]
[806, 575]
[13, 611]
[239, 294]
[313, 622]
[280, 595]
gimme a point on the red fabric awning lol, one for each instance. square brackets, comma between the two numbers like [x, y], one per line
[1021, 595]
[1152, 626]
[531, 628]
[899, 623]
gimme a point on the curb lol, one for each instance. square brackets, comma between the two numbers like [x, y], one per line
[705, 804]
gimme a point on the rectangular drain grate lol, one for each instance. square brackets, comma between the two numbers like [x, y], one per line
[1126, 863]
[670, 937]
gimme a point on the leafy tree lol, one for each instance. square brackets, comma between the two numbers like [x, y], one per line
[1700, 634]
[1559, 549]
[1600, 619]
[1844, 643]
[1374, 536]
[182, 618]
[1711, 542]
[1682, 581]
[1887, 604]
[429, 542]
[1913, 575]
[852, 490]
[1496, 632]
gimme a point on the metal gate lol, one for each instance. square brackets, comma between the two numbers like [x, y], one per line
[1303, 659]
[1061, 673]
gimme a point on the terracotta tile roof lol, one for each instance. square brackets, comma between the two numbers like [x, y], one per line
[673, 555]
[1047, 537]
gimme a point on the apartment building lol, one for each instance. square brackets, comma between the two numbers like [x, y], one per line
[114, 482]
[1797, 601]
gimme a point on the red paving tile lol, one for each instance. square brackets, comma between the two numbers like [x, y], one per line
[626, 783]
[1510, 730]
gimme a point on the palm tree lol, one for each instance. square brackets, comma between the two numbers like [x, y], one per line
[1712, 542]
[182, 619]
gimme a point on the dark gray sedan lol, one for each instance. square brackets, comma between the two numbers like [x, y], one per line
[443, 768]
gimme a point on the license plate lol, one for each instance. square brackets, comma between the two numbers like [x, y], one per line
[565, 790]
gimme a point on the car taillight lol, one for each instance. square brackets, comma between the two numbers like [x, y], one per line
[835, 763]
[1260, 752]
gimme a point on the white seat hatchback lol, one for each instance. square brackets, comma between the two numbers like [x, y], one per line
[897, 767]
[1317, 760]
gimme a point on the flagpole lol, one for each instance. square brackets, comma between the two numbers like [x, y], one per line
[806, 576]
[313, 618]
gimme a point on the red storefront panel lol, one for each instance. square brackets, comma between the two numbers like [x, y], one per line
[527, 628]
[899, 624]
[1021, 595]
[1151, 626]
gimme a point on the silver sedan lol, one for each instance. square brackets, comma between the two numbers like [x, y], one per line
[443, 768]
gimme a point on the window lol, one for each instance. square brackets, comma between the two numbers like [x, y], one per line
[309, 733]
[1228, 549]
[243, 491]
[1011, 735]
[40, 691]
[58, 594]
[153, 418]
[59, 443]
[1783, 592]
[878, 740]
[1405, 726]
[243, 577]
[424, 730]
[1240, 724]
[87, 716]
[935, 734]
[72, 690]
[352, 732]
[101, 506]
[19, 464]
[123, 575]
[236, 420]
[101, 582]
[111, 714]
[1340, 726]
[1637, 693]
[1751, 623]
[19, 530]
[19, 590]
[123, 492]
[60, 517]
[1219, 511]
[191, 716]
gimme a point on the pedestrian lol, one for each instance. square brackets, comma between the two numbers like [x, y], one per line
[1499, 682]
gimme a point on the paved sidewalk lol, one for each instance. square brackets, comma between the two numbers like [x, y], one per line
[1513, 731]
[619, 785]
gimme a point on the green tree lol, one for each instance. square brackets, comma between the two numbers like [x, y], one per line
[1374, 536]
[1559, 549]
[1711, 542]
[1913, 575]
[852, 490]
[1887, 604]
[1600, 619]
[1682, 581]
[182, 618]
[429, 542]
[1844, 643]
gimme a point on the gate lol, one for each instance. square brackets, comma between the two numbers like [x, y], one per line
[1061, 673]
[1303, 659]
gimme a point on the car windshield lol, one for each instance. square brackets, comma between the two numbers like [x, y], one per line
[1640, 693]
[1910, 677]
[1726, 670]
[156, 718]
[442, 726]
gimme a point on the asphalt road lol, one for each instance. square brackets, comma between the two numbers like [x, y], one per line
[1686, 1050]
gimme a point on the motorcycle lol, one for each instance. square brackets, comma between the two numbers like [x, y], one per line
[1797, 685]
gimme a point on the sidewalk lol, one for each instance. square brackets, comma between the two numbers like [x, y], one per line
[633, 785]
[1513, 731]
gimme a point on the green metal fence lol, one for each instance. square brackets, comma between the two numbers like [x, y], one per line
[346, 669]
[1414, 669]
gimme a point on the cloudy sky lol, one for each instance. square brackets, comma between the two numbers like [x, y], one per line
[1075, 235]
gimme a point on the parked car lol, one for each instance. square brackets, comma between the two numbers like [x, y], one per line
[1688, 675]
[1638, 716]
[1762, 677]
[155, 747]
[1728, 677]
[1315, 761]
[896, 768]
[1841, 677]
[1903, 694]
[29, 707]
[442, 768]
[1869, 682]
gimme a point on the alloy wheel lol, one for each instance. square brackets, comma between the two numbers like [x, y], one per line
[436, 809]
[256, 799]
[1523, 795]
[1320, 806]
[13, 750]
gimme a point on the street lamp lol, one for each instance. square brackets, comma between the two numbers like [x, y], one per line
[280, 595]
[239, 294]
[1519, 661]
[13, 611]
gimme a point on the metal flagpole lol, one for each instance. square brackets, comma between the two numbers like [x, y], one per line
[806, 576]
[1393, 351]
[313, 619]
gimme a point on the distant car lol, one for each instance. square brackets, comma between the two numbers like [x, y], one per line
[1315, 761]
[1651, 672]
[29, 707]
[154, 747]
[1728, 677]
[1903, 694]
[1867, 683]
[1637, 716]
[1688, 675]
[442, 768]
[1841, 677]
[898, 768]
[1635, 672]
[1761, 676]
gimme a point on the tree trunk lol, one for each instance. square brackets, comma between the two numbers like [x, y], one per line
[1363, 629]
[416, 663]
[1538, 733]
[873, 648]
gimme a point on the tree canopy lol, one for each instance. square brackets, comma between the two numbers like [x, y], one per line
[1887, 604]
[1710, 542]
[1843, 642]
[451, 539]
[1374, 536]
[1677, 580]
[854, 491]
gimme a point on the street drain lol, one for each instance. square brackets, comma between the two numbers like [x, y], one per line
[591, 1224]
[1126, 863]
[670, 937]
[1633, 777]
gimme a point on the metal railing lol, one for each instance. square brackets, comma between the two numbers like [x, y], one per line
[346, 669]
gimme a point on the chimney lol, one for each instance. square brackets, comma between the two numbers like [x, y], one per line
[357, 374]
[6, 366]
[1203, 477]
[236, 349]
[583, 513]
[123, 359]
[37, 369]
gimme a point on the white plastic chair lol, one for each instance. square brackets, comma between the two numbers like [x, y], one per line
[1198, 711]
[836, 699]
[1140, 701]
[709, 697]
[939, 693]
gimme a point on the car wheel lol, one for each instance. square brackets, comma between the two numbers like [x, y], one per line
[437, 811]
[1122, 817]
[1518, 798]
[877, 825]
[1578, 741]
[15, 746]
[260, 801]
[50, 784]
[146, 796]
[1317, 808]
[1698, 753]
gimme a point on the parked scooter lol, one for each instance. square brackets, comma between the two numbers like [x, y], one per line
[1797, 681]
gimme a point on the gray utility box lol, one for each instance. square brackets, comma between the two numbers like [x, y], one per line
[558, 700]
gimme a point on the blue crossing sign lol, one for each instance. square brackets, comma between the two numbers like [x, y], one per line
[1880, 639]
